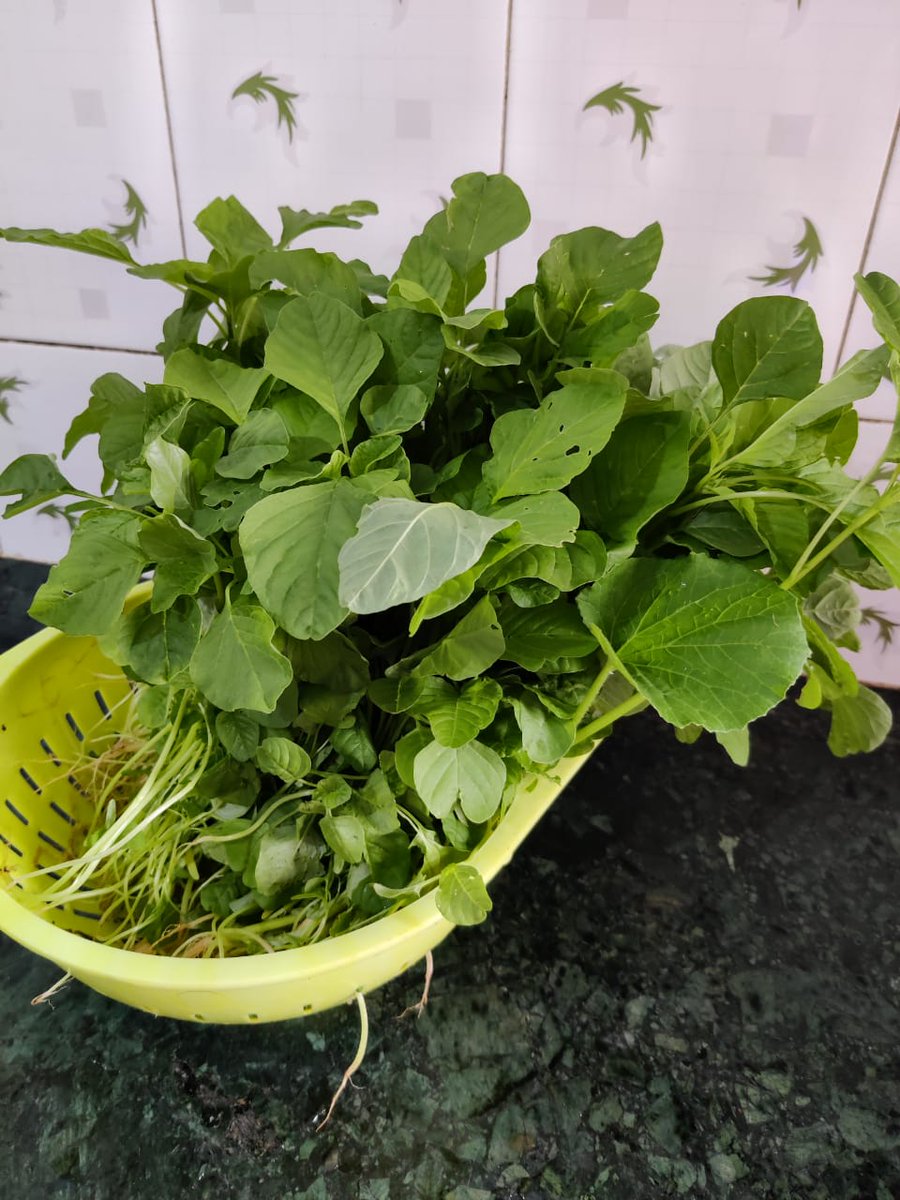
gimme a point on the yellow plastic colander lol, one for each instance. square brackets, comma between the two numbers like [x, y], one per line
[54, 691]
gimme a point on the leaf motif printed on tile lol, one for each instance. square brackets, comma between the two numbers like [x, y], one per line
[621, 95]
[807, 253]
[8, 385]
[260, 87]
[136, 212]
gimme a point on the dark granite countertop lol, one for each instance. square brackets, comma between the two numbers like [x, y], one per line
[689, 986]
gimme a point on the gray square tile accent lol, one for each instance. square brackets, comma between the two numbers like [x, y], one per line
[607, 10]
[237, 6]
[94, 303]
[413, 118]
[789, 135]
[89, 107]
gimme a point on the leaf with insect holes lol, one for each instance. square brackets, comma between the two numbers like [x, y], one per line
[619, 96]
[807, 253]
[136, 210]
[260, 88]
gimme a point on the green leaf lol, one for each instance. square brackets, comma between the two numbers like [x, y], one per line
[543, 449]
[611, 332]
[835, 606]
[687, 367]
[261, 440]
[229, 388]
[307, 271]
[536, 636]
[346, 836]
[284, 758]
[584, 270]
[485, 213]
[117, 411]
[767, 346]
[297, 221]
[548, 519]
[882, 296]
[472, 646]
[545, 738]
[89, 241]
[355, 745]
[170, 475]
[85, 592]
[230, 229]
[393, 408]
[238, 733]
[736, 744]
[706, 641]
[275, 861]
[621, 95]
[859, 723]
[297, 577]
[458, 717]
[473, 775]
[461, 896]
[404, 549]
[36, 478]
[323, 348]
[642, 469]
[413, 349]
[396, 695]
[156, 646]
[423, 280]
[183, 560]
[236, 665]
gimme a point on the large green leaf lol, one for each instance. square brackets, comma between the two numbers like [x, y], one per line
[461, 896]
[413, 348]
[473, 775]
[547, 519]
[584, 270]
[183, 559]
[859, 723]
[543, 449]
[458, 717]
[36, 478]
[85, 592]
[307, 271]
[404, 549]
[99, 242]
[706, 641]
[236, 665]
[323, 348]
[545, 737]
[882, 296]
[611, 330]
[261, 440]
[156, 646]
[643, 468]
[297, 221]
[472, 646]
[485, 212]
[223, 384]
[536, 636]
[290, 542]
[170, 475]
[232, 230]
[768, 346]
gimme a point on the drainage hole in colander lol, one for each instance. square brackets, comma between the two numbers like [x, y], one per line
[101, 704]
[35, 787]
[45, 746]
[61, 812]
[45, 837]
[53, 874]
[82, 912]
[15, 812]
[73, 725]
[7, 842]
[307, 1008]
[252, 1016]
[76, 785]
[199, 1017]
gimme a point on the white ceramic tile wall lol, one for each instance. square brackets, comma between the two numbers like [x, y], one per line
[81, 109]
[395, 99]
[56, 387]
[770, 111]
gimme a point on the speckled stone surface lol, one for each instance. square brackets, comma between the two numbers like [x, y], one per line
[689, 986]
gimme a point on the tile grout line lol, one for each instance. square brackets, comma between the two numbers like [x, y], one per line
[507, 54]
[24, 341]
[167, 110]
[870, 233]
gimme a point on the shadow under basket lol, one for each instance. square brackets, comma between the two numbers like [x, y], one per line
[56, 693]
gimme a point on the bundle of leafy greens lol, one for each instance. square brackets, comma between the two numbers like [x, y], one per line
[407, 553]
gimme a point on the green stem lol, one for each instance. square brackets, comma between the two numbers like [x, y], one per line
[632, 704]
[593, 691]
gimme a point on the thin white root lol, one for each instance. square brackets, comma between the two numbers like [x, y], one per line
[419, 1007]
[51, 991]
[357, 1059]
